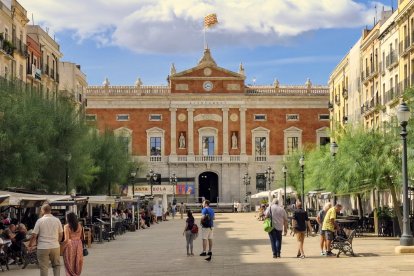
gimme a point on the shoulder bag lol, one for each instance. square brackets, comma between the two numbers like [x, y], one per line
[267, 223]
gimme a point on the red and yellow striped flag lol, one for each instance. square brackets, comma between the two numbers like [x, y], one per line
[210, 20]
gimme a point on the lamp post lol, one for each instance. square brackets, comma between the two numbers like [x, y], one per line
[403, 114]
[302, 170]
[133, 175]
[173, 182]
[151, 178]
[67, 157]
[284, 170]
[269, 176]
[246, 181]
[333, 148]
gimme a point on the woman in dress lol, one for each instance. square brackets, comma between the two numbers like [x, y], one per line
[189, 236]
[73, 253]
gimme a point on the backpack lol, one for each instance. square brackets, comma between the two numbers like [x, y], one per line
[206, 221]
[194, 230]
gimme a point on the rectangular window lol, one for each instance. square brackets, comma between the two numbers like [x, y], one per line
[260, 146]
[125, 144]
[260, 117]
[122, 117]
[323, 117]
[292, 117]
[260, 182]
[324, 141]
[208, 145]
[90, 117]
[155, 144]
[292, 144]
[155, 117]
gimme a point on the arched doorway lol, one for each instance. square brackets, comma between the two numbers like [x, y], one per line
[208, 186]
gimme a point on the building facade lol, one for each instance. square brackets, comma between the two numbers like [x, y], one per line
[72, 82]
[49, 59]
[209, 128]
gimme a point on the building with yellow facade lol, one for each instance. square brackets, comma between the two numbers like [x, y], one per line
[384, 59]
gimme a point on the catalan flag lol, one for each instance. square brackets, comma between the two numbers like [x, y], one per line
[210, 20]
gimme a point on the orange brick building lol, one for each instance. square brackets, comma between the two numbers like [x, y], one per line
[209, 128]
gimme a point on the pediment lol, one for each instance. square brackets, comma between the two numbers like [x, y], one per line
[207, 68]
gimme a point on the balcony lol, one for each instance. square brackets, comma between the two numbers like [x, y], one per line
[345, 93]
[260, 158]
[206, 159]
[404, 46]
[337, 99]
[391, 60]
[6, 47]
[52, 73]
[330, 106]
[21, 48]
[369, 74]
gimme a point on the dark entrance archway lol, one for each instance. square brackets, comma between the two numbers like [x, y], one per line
[208, 186]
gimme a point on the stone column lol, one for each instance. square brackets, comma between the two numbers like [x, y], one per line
[190, 134]
[173, 134]
[242, 130]
[225, 130]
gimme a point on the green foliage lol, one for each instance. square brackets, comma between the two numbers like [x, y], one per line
[37, 133]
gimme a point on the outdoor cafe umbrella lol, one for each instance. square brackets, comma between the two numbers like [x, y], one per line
[164, 202]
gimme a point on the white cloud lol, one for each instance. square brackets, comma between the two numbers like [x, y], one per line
[164, 26]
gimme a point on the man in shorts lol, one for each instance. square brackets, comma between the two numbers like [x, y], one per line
[329, 226]
[302, 224]
[207, 226]
[320, 217]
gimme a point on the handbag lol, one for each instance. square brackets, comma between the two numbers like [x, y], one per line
[85, 251]
[267, 223]
[194, 229]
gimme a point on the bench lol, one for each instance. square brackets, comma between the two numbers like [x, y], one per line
[343, 245]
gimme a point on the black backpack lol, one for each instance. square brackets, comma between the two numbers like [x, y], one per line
[206, 221]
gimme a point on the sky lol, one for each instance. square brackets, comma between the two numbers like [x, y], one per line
[288, 40]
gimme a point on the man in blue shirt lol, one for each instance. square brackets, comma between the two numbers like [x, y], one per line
[207, 226]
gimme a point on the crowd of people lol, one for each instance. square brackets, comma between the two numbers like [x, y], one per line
[300, 225]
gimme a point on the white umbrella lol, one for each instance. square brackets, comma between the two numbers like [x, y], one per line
[261, 195]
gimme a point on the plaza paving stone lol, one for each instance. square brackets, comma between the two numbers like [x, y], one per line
[241, 247]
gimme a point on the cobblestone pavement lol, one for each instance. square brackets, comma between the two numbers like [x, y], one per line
[241, 247]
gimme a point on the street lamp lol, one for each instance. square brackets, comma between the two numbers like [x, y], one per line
[151, 178]
[246, 181]
[334, 148]
[403, 115]
[173, 182]
[67, 157]
[284, 170]
[269, 176]
[133, 175]
[302, 167]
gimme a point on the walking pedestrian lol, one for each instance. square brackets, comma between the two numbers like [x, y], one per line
[207, 227]
[73, 252]
[189, 236]
[182, 210]
[302, 224]
[47, 233]
[320, 217]
[329, 226]
[280, 223]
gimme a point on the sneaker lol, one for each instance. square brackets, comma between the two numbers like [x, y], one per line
[329, 253]
[203, 254]
[302, 257]
[298, 255]
[274, 256]
[323, 253]
[11, 261]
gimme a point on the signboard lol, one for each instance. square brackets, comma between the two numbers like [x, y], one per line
[156, 189]
[185, 189]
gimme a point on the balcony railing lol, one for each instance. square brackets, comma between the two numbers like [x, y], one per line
[392, 59]
[21, 48]
[155, 158]
[207, 159]
[260, 158]
[337, 99]
[7, 47]
[345, 93]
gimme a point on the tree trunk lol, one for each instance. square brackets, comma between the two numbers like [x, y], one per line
[375, 212]
[360, 210]
[396, 204]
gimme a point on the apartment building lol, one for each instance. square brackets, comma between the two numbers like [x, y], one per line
[72, 82]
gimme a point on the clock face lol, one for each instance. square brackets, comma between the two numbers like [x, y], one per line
[208, 85]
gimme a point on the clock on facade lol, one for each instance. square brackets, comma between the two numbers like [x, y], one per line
[208, 85]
